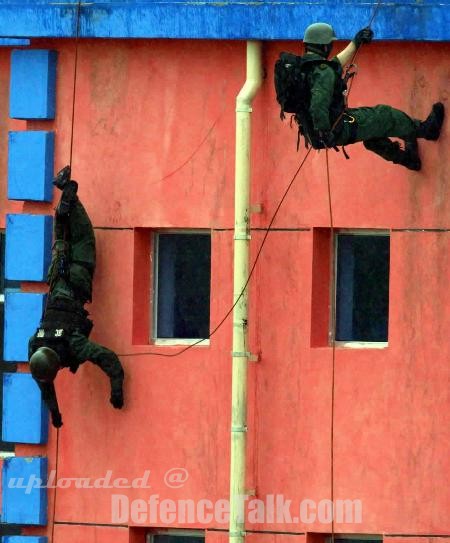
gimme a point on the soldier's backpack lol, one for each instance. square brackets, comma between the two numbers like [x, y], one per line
[290, 84]
[293, 92]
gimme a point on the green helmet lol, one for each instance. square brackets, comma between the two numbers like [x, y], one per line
[319, 34]
[44, 364]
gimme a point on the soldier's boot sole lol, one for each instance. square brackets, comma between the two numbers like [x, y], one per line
[430, 129]
[409, 157]
[68, 199]
[62, 178]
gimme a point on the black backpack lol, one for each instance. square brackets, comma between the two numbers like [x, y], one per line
[293, 92]
[291, 84]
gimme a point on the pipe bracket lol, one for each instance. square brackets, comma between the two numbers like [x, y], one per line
[239, 429]
[237, 354]
[242, 237]
[244, 109]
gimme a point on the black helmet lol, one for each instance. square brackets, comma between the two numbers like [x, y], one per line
[44, 364]
[319, 34]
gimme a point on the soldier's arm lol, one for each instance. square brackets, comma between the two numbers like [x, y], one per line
[346, 54]
[322, 88]
[109, 362]
[365, 35]
[49, 397]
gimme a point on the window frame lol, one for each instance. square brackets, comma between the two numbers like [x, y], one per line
[333, 309]
[154, 262]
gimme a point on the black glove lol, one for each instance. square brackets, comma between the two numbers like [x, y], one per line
[363, 36]
[57, 419]
[117, 398]
[327, 138]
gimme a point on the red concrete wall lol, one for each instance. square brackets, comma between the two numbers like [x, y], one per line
[153, 147]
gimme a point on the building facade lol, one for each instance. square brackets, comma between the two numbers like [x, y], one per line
[141, 99]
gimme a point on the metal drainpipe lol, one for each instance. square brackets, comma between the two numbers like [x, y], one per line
[240, 352]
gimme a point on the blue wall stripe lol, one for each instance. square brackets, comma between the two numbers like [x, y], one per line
[30, 165]
[24, 496]
[23, 312]
[11, 42]
[33, 84]
[24, 414]
[405, 20]
[24, 539]
[28, 246]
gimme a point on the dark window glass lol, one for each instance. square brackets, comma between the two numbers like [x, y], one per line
[351, 540]
[183, 285]
[177, 539]
[362, 287]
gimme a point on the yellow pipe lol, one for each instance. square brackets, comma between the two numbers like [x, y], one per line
[240, 352]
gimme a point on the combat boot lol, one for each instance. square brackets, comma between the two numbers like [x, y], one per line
[68, 198]
[430, 128]
[409, 157]
[62, 178]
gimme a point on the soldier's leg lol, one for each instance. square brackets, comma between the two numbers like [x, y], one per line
[378, 122]
[82, 237]
[391, 150]
[107, 360]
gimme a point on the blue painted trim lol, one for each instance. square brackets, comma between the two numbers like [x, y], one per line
[264, 20]
[23, 312]
[30, 165]
[24, 496]
[28, 246]
[24, 414]
[24, 539]
[33, 84]
[11, 42]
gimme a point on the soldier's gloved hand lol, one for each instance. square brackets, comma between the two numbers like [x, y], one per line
[363, 36]
[327, 138]
[117, 398]
[57, 419]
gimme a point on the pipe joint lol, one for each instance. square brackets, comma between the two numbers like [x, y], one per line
[242, 237]
[239, 429]
[243, 108]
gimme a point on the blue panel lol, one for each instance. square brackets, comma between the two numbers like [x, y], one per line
[33, 84]
[11, 42]
[23, 312]
[24, 539]
[30, 165]
[264, 20]
[23, 501]
[28, 247]
[25, 417]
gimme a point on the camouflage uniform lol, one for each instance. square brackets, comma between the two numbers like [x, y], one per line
[371, 125]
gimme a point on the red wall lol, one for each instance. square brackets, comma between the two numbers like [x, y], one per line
[154, 147]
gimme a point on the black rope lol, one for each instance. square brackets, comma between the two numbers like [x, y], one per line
[77, 36]
[333, 298]
[70, 162]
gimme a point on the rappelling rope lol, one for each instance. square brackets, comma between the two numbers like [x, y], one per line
[333, 287]
[77, 35]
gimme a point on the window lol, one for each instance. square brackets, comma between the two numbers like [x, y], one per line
[182, 280]
[363, 538]
[362, 287]
[180, 536]
[6, 449]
